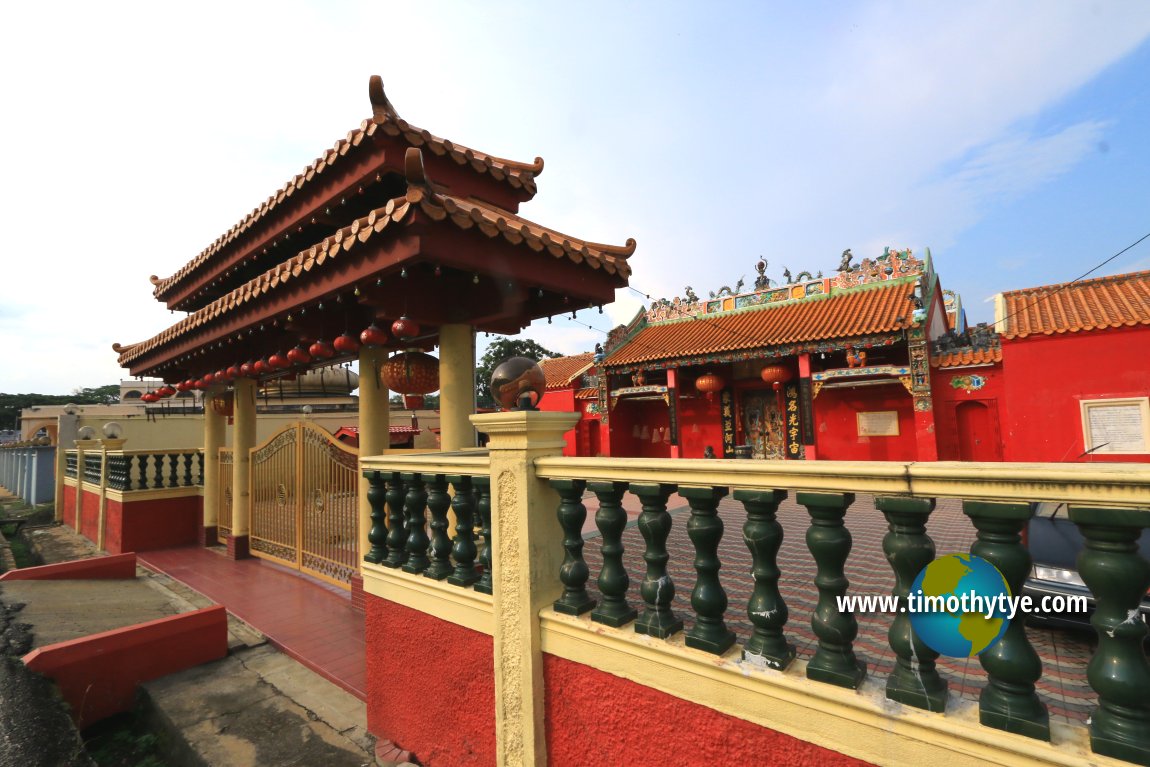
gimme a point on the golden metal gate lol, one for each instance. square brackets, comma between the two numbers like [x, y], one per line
[304, 496]
[224, 518]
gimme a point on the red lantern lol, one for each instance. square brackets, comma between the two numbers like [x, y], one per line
[165, 391]
[411, 373]
[207, 379]
[322, 350]
[413, 401]
[221, 376]
[201, 384]
[149, 397]
[234, 372]
[248, 370]
[374, 335]
[773, 374]
[259, 367]
[278, 360]
[182, 386]
[224, 404]
[298, 355]
[346, 344]
[189, 384]
[405, 328]
[709, 383]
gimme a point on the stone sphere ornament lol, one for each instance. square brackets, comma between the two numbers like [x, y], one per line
[518, 383]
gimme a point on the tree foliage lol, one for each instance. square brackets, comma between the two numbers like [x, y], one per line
[12, 404]
[499, 350]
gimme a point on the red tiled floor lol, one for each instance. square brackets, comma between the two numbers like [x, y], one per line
[309, 621]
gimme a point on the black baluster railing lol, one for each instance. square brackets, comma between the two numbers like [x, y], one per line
[613, 609]
[463, 549]
[483, 506]
[173, 469]
[1008, 701]
[766, 609]
[397, 527]
[92, 468]
[118, 471]
[573, 573]
[438, 502]
[914, 681]
[708, 598]
[1119, 672]
[657, 589]
[70, 465]
[147, 471]
[829, 541]
[377, 499]
[188, 469]
[414, 510]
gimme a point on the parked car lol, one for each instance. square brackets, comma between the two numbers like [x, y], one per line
[1055, 543]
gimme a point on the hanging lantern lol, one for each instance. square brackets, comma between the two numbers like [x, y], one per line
[149, 397]
[165, 391]
[346, 344]
[224, 404]
[234, 372]
[298, 355]
[405, 327]
[775, 374]
[248, 370]
[259, 367]
[374, 335]
[207, 379]
[411, 373]
[189, 384]
[201, 384]
[279, 361]
[413, 401]
[322, 350]
[709, 383]
[182, 386]
[221, 375]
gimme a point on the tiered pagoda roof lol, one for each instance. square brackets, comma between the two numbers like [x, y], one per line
[393, 221]
[561, 372]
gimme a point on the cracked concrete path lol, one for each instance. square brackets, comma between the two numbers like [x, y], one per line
[259, 707]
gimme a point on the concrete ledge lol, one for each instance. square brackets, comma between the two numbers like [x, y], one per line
[97, 675]
[114, 567]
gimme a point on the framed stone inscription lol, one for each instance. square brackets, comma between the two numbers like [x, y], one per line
[878, 423]
[1116, 425]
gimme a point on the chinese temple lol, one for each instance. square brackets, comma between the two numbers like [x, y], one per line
[807, 367]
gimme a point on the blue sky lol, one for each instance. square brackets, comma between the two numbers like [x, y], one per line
[1012, 139]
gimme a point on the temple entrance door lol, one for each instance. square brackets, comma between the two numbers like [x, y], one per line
[761, 422]
[303, 491]
[978, 431]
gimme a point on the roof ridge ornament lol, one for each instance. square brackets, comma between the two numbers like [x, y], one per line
[381, 108]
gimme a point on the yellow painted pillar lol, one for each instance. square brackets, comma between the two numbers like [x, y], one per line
[214, 425]
[456, 386]
[374, 430]
[243, 440]
[527, 552]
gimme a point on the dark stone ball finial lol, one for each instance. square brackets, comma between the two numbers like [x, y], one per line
[518, 383]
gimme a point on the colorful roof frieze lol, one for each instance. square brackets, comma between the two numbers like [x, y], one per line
[1121, 300]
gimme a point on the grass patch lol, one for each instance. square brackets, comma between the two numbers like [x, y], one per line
[21, 551]
[123, 741]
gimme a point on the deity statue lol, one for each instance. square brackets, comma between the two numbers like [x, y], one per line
[762, 281]
[845, 263]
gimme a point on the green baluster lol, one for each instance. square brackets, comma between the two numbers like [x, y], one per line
[397, 529]
[658, 590]
[173, 469]
[914, 680]
[483, 506]
[829, 541]
[1118, 577]
[376, 498]
[611, 519]
[766, 609]
[438, 502]
[463, 549]
[414, 509]
[187, 469]
[573, 572]
[1008, 701]
[708, 599]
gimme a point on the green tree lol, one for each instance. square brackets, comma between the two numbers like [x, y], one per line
[101, 395]
[499, 350]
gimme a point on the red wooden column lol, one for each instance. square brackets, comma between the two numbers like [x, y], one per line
[811, 450]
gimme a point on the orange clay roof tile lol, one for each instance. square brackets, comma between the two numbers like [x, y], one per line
[966, 357]
[1104, 302]
[853, 312]
[463, 213]
[561, 371]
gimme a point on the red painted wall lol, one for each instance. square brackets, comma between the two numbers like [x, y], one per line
[113, 567]
[90, 515]
[444, 718]
[68, 509]
[836, 424]
[155, 524]
[1048, 376]
[593, 717]
[562, 401]
[700, 424]
[630, 415]
[947, 398]
[98, 674]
